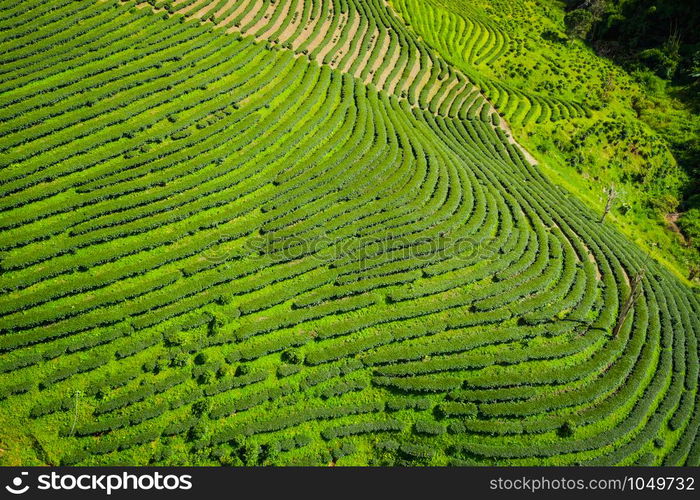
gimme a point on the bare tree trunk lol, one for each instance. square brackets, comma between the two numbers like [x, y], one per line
[612, 195]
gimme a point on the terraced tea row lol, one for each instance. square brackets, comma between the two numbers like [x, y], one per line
[361, 38]
[368, 41]
[214, 251]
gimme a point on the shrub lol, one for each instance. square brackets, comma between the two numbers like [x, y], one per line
[293, 356]
[429, 428]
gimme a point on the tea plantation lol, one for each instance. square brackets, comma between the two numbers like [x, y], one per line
[293, 232]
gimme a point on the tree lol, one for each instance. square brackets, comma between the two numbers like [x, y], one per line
[566, 429]
[293, 356]
[596, 7]
[612, 196]
[662, 61]
[250, 454]
[695, 65]
[579, 23]
[216, 322]
[201, 358]
[197, 432]
[201, 407]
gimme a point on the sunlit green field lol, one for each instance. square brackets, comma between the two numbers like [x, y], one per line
[312, 232]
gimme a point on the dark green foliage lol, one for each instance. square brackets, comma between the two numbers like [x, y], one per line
[579, 23]
[371, 427]
[343, 449]
[429, 428]
[453, 409]
[293, 356]
[287, 370]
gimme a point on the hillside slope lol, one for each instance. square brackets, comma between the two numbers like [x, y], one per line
[217, 250]
[590, 122]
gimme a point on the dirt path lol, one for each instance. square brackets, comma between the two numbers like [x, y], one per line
[250, 15]
[380, 81]
[374, 40]
[424, 80]
[383, 50]
[672, 222]
[591, 258]
[278, 23]
[415, 69]
[292, 26]
[205, 10]
[445, 88]
[309, 25]
[226, 22]
[505, 126]
[352, 33]
[265, 20]
[321, 36]
[333, 46]
[191, 8]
